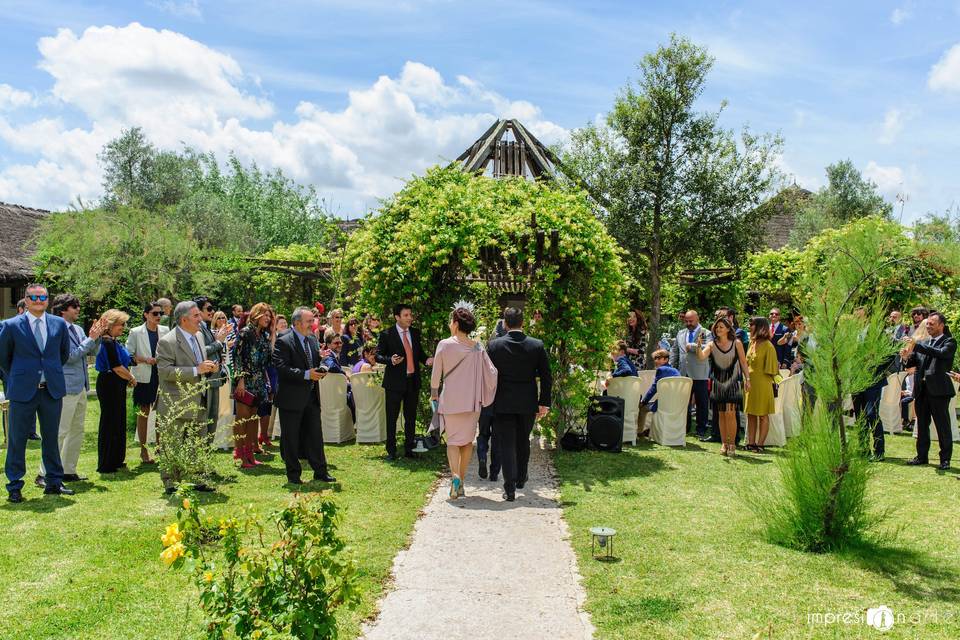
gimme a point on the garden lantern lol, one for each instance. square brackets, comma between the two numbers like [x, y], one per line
[602, 537]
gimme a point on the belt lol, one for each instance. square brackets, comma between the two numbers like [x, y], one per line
[42, 385]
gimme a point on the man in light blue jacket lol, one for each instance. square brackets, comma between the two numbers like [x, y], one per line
[77, 382]
[683, 357]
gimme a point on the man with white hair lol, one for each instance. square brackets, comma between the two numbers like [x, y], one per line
[181, 359]
[683, 358]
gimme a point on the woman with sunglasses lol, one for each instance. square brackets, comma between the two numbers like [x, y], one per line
[352, 343]
[142, 347]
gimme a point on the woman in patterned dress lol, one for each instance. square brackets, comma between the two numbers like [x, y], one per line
[254, 355]
[636, 338]
[727, 360]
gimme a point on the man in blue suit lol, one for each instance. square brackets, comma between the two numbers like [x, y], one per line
[661, 359]
[33, 349]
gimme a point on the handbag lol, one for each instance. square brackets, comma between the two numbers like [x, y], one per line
[245, 397]
[776, 389]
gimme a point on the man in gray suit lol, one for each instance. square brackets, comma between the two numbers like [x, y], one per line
[683, 357]
[215, 350]
[180, 358]
[76, 378]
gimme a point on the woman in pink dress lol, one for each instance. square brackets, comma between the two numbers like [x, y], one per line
[469, 383]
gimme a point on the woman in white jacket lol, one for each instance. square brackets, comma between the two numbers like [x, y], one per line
[142, 345]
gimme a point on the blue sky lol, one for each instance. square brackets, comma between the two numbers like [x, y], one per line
[355, 96]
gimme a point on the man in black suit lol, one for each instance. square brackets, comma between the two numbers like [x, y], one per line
[216, 347]
[777, 331]
[933, 388]
[399, 349]
[519, 360]
[296, 356]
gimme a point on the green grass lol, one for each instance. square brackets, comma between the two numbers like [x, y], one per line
[88, 566]
[692, 561]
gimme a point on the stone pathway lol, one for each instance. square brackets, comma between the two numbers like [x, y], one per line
[479, 567]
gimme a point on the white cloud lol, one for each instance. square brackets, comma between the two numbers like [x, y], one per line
[901, 14]
[945, 74]
[11, 98]
[180, 8]
[183, 92]
[893, 180]
[892, 126]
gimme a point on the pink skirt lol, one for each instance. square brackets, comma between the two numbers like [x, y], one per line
[461, 428]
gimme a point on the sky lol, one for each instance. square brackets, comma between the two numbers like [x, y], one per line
[354, 97]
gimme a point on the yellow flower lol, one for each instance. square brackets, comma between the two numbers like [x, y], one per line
[186, 503]
[172, 536]
[208, 576]
[171, 553]
[256, 634]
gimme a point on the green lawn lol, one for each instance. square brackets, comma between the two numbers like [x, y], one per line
[88, 566]
[692, 562]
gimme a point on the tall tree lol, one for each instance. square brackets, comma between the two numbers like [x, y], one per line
[673, 184]
[848, 196]
[127, 168]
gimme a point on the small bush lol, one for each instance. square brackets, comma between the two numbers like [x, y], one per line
[256, 585]
[817, 507]
[183, 450]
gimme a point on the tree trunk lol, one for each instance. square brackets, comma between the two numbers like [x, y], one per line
[654, 324]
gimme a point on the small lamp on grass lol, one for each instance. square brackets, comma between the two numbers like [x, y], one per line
[602, 537]
[420, 448]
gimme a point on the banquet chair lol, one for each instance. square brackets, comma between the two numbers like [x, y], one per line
[670, 420]
[370, 400]
[334, 412]
[627, 388]
[890, 415]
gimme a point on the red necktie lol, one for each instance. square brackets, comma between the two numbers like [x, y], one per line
[407, 350]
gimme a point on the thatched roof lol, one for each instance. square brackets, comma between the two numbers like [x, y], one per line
[18, 225]
[783, 215]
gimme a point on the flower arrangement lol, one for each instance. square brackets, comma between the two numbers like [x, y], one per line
[254, 584]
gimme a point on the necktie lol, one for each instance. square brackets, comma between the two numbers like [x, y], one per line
[690, 336]
[38, 335]
[76, 333]
[196, 349]
[309, 353]
[407, 350]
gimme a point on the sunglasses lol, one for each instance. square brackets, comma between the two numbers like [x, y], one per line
[156, 313]
[36, 298]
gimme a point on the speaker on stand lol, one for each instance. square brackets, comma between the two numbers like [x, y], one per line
[605, 423]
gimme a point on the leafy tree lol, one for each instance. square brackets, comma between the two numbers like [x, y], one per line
[289, 287]
[847, 197]
[425, 242]
[673, 184]
[127, 168]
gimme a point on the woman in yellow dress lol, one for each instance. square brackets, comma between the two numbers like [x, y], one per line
[762, 366]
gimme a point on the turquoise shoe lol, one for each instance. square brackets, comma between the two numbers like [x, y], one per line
[456, 486]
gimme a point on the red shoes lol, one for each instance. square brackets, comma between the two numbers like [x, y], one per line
[245, 454]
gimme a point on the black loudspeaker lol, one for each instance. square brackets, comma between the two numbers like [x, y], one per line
[605, 423]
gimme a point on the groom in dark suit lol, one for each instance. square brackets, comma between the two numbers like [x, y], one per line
[519, 360]
[400, 350]
[932, 387]
[296, 356]
[33, 349]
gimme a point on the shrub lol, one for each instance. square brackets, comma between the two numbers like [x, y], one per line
[253, 586]
[183, 450]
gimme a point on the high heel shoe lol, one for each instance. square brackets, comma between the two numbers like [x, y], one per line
[264, 441]
[251, 452]
[456, 486]
[723, 449]
[245, 457]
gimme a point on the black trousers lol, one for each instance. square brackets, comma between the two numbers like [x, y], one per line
[867, 404]
[937, 409]
[701, 400]
[301, 434]
[511, 433]
[409, 398]
[487, 442]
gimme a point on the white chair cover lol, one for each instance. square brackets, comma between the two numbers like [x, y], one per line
[371, 403]
[274, 426]
[151, 426]
[776, 432]
[792, 405]
[646, 381]
[223, 436]
[890, 415]
[670, 421]
[627, 388]
[952, 409]
[334, 412]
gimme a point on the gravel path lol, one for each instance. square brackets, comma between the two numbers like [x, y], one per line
[479, 567]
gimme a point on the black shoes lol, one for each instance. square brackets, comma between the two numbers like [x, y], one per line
[40, 481]
[323, 477]
[916, 462]
[15, 497]
[72, 477]
[509, 497]
[943, 466]
[294, 481]
[483, 469]
[493, 477]
[521, 482]
[33, 436]
[391, 457]
[704, 438]
[58, 491]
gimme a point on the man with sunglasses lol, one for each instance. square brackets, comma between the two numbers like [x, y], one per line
[777, 331]
[33, 349]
